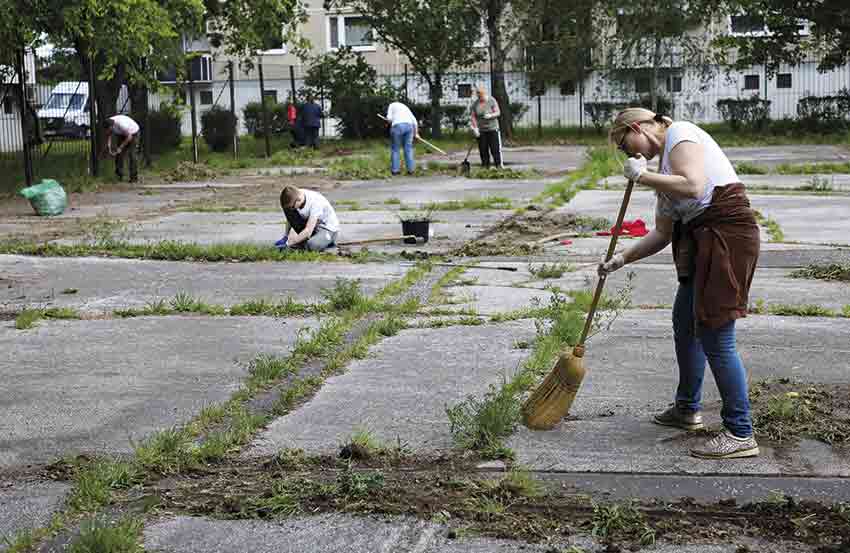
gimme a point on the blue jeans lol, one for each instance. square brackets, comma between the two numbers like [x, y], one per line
[718, 347]
[402, 135]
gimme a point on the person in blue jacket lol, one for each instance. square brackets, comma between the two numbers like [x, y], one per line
[311, 119]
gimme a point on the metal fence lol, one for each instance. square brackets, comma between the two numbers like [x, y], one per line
[45, 128]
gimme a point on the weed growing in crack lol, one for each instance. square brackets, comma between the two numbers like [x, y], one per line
[785, 410]
[345, 295]
[553, 270]
[390, 326]
[362, 445]
[28, 318]
[480, 424]
[94, 483]
[833, 271]
[286, 308]
[621, 522]
[165, 452]
[218, 445]
[291, 459]
[774, 231]
[353, 484]
[268, 368]
[321, 341]
[101, 537]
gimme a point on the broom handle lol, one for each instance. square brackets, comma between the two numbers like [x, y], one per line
[611, 247]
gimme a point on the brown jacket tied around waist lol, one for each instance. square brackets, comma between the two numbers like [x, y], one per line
[719, 250]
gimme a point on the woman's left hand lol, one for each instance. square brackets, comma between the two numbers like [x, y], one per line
[634, 168]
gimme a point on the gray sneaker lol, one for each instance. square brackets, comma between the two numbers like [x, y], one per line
[685, 421]
[726, 446]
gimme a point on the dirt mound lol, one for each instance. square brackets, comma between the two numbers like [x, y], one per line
[516, 235]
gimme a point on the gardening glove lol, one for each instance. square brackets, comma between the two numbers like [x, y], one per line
[607, 267]
[476, 132]
[490, 115]
[281, 244]
[634, 167]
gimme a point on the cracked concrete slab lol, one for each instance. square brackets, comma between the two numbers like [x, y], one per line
[338, 533]
[401, 389]
[836, 182]
[771, 156]
[97, 386]
[104, 285]
[490, 300]
[632, 375]
[26, 505]
[551, 159]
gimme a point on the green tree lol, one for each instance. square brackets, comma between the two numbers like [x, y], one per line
[434, 35]
[828, 39]
[646, 38]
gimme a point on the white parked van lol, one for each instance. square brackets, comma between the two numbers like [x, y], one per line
[66, 112]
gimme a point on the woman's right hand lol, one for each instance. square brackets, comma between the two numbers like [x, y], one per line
[607, 267]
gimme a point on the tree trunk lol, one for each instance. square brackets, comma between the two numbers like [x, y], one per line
[495, 9]
[653, 85]
[105, 92]
[436, 91]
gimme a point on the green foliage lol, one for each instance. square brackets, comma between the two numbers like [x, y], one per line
[621, 521]
[94, 483]
[481, 423]
[165, 125]
[747, 168]
[346, 294]
[602, 113]
[218, 127]
[253, 117]
[824, 113]
[102, 537]
[553, 270]
[750, 113]
[832, 271]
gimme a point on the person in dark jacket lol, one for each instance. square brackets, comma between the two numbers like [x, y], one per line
[311, 119]
[702, 207]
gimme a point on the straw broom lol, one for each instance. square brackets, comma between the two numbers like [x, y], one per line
[552, 399]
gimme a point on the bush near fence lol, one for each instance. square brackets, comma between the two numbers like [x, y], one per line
[750, 113]
[278, 121]
[164, 124]
[218, 127]
[824, 113]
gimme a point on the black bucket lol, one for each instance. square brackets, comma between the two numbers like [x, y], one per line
[420, 229]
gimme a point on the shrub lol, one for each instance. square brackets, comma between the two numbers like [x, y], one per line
[601, 113]
[455, 117]
[824, 113]
[253, 117]
[218, 126]
[663, 104]
[752, 113]
[164, 124]
[517, 109]
[357, 116]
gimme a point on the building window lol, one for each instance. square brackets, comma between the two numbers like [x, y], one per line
[747, 24]
[783, 80]
[674, 83]
[350, 30]
[270, 96]
[206, 97]
[751, 82]
[464, 90]
[642, 85]
[568, 88]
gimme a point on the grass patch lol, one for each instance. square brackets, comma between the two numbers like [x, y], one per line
[101, 537]
[488, 202]
[553, 270]
[437, 296]
[601, 162]
[346, 294]
[832, 271]
[615, 522]
[392, 201]
[504, 173]
[95, 482]
[785, 410]
[840, 167]
[263, 307]
[747, 168]
[462, 321]
[168, 251]
[774, 231]
[760, 307]
[28, 318]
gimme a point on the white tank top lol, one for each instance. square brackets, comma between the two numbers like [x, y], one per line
[718, 170]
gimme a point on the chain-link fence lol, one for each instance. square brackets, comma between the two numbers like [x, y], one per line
[45, 128]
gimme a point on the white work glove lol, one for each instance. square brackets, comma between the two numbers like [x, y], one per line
[607, 267]
[476, 132]
[490, 115]
[634, 167]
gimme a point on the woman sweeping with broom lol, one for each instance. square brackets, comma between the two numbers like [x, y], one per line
[703, 209]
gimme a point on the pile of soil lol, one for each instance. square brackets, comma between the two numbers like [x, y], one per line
[515, 236]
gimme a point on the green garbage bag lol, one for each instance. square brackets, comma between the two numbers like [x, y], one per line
[47, 197]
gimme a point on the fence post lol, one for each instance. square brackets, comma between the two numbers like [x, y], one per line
[406, 99]
[233, 109]
[22, 90]
[322, 96]
[539, 116]
[194, 119]
[581, 102]
[292, 81]
[146, 133]
[94, 126]
[265, 110]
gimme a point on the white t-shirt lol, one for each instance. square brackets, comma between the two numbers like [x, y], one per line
[400, 113]
[718, 170]
[123, 125]
[318, 205]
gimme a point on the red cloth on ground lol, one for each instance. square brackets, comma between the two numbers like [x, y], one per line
[636, 228]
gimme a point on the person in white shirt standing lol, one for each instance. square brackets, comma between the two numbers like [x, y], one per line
[403, 129]
[126, 132]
